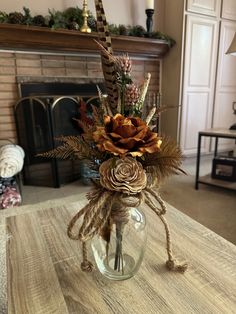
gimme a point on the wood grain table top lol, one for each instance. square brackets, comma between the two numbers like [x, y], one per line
[44, 276]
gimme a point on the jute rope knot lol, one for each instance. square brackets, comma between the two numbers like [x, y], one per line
[119, 214]
[86, 265]
[104, 205]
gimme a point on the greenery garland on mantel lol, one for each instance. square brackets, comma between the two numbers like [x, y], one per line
[72, 18]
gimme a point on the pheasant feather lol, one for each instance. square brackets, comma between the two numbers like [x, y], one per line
[108, 65]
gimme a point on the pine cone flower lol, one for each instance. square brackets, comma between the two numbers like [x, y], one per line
[126, 175]
[124, 65]
[122, 136]
[16, 18]
[92, 23]
[39, 20]
[132, 93]
[73, 25]
[123, 30]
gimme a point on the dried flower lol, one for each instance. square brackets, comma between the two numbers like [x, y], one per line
[132, 93]
[124, 175]
[122, 136]
[124, 65]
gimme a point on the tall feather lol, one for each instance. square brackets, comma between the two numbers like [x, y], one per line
[108, 66]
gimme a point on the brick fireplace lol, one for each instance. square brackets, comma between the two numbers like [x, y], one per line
[17, 67]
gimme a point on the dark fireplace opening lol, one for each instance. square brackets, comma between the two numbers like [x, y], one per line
[45, 112]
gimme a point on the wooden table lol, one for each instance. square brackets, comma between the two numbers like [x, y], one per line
[207, 179]
[44, 276]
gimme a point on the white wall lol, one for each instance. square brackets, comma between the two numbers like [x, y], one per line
[128, 12]
[36, 7]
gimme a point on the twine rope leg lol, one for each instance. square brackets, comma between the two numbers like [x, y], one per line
[168, 241]
[149, 202]
[101, 223]
[170, 263]
[159, 200]
[70, 234]
[91, 224]
[86, 265]
[89, 210]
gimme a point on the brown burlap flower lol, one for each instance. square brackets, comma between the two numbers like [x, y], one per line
[124, 175]
[122, 136]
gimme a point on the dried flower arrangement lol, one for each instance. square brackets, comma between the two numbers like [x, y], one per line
[131, 159]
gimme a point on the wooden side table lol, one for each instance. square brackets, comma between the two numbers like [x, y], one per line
[214, 133]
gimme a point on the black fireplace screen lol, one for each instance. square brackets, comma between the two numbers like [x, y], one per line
[41, 117]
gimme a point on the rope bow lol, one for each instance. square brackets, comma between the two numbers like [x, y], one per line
[100, 209]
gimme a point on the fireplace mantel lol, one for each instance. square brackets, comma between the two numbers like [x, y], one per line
[40, 38]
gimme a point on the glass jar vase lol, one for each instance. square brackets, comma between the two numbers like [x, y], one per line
[119, 248]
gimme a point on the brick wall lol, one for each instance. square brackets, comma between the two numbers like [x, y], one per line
[16, 67]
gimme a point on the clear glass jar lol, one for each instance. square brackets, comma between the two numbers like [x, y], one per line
[121, 257]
